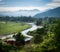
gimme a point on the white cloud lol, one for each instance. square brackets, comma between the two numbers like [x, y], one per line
[12, 9]
[51, 5]
[54, 4]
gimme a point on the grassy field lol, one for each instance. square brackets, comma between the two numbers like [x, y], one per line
[12, 27]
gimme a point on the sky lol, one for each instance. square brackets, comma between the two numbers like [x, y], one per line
[15, 5]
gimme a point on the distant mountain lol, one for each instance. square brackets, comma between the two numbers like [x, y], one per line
[50, 13]
[21, 13]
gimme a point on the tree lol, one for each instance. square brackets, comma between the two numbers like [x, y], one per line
[41, 31]
[6, 19]
[1, 47]
[37, 38]
[39, 22]
[1, 18]
[19, 39]
[57, 34]
[5, 47]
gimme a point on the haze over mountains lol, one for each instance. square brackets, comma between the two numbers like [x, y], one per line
[21, 13]
[35, 13]
[50, 13]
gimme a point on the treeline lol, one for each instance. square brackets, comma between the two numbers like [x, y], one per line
[28, 19]
[17, 19]
[47, 20]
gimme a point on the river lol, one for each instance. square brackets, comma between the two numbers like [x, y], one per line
[24, 32]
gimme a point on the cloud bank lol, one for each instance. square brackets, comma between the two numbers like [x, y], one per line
[51, 5]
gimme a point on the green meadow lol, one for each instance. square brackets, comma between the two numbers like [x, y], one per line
[12, 27]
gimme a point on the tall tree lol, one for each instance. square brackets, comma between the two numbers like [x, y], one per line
[19, 39]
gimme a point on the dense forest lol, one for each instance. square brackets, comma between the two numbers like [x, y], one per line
[47, 39]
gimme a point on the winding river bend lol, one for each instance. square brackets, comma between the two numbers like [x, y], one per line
[24, 32]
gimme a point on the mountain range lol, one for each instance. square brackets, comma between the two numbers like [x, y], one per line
[50, 13]
[20, 13]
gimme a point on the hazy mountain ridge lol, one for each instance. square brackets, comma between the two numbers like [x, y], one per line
[50, 13]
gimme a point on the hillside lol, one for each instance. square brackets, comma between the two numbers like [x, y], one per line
[50, 13]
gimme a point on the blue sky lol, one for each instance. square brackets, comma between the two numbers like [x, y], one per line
[42, 5]
[24, 3]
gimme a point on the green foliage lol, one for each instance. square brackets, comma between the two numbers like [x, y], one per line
[19, 39]
[51, 42]
[57, 29]
[39, 22]
[57, 35]
[41, 31]
[37, 38]
[4, 47]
